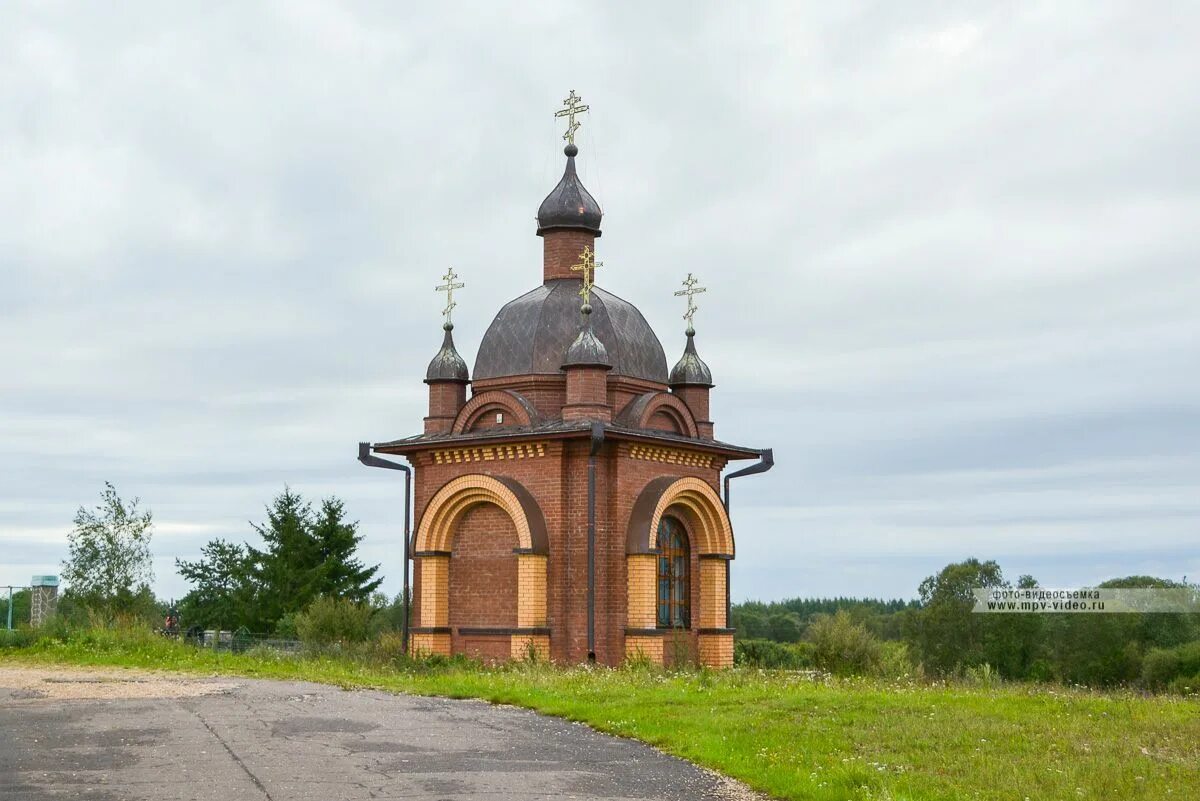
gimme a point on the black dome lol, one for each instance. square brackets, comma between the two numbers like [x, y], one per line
[691, 369]
[587, 350]
[447, 365]
[532, 333]
[569, 205]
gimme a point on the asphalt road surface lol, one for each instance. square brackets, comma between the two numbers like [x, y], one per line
[112, 736]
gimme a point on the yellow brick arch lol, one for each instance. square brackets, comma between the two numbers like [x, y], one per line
[436, 530]
[434, 541]
[702, 507]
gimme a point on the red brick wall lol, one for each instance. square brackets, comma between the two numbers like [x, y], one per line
[488, 647]
[662, 421]
[587, 385]
[561, 249]
[483, 570]
[587, 398]
[487, 419]
[558, 481]
[696, 399]
[445, 399]
[547, 393]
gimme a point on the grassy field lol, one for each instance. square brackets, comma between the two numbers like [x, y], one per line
[788, 735]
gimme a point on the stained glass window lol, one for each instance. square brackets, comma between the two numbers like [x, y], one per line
[674, 588]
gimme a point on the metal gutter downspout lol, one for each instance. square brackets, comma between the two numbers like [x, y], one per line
[364, 456]
[597, 444]
[766, 460]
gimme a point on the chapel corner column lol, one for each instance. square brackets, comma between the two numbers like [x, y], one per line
[643, 640]
[714, 638]
[431, 635]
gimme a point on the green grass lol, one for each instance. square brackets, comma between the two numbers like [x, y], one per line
[787, 735]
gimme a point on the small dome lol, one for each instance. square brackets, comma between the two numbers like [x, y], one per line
[447, 365]
[531, 334]
[587, 350]
[690, 369]
[569, 205]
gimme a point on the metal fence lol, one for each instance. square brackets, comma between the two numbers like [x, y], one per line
[239, 641]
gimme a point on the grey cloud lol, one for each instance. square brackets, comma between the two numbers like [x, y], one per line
[951, 257]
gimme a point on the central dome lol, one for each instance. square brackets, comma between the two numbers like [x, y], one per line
[531, 334]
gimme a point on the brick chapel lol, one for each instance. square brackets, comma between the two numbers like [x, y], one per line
[566, 490]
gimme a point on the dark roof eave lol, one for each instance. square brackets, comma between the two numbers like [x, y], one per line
[421, 442]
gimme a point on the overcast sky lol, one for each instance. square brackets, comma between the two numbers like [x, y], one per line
[951, 252]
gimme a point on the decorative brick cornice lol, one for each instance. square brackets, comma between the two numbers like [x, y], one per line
[654, 453]
[489, 453]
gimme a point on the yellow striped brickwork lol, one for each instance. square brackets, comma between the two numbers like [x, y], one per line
[716, 650]
[654, 453]
[524, 450]
[644, 647]
[430, 643]
[435, 590]
[531, 590]
[641, 576]
[712, 594]
[522, 643]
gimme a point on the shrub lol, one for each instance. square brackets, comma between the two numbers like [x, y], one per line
[388, 648]
[1185, 685]
[982, 675]
[334, 620]
[843, 647]
[895, 662]
[1162, 667]
[768, 654]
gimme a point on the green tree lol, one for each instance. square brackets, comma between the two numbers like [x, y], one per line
[1108, 649]
[945, 633]
[305, 555]
[222, 595]
[285, 571]
[340, 574]
[784, 627]
[108, 569]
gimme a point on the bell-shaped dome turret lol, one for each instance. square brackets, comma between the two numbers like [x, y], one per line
[690, 370]
[587, 350]
[447, 365]
[569, 205]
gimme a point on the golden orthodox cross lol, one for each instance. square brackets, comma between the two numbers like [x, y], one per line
[449, 287]
[691, 291]
[587, 265]
[573, 107]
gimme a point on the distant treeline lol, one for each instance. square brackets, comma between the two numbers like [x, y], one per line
[788, 620]
[939, 635]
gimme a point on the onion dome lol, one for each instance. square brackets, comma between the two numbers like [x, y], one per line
[531, 334]
[587, 350]
[569, 205]
[690, 370]
[447, 365]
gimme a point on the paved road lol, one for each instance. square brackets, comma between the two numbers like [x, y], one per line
[254, 740]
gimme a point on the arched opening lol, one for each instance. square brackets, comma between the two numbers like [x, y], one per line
[492, 530]
[483, 582]
[674, 575]
[677, 551]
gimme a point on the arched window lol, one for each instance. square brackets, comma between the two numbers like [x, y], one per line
[674, 587]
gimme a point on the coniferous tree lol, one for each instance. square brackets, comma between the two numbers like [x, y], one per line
[285, 572]
[222, 595]
[305, 555]
[340, 574]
